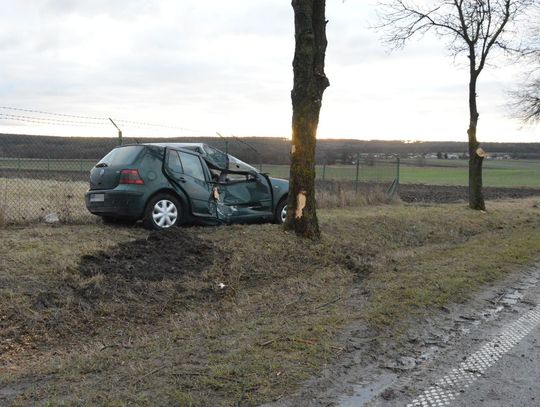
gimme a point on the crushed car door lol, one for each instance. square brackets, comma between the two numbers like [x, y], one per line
[243, 196]
[188, 174]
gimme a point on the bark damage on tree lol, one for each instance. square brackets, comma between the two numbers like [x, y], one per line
[310, 82]
[473, 28]
[476, 154]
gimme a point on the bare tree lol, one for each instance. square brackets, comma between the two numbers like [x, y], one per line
[526, 100]
[471, 27]
[310, 82]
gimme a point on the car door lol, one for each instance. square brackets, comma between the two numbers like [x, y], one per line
[244, 196]
[187, 172]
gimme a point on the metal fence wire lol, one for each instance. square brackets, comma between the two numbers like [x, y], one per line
[46, 180]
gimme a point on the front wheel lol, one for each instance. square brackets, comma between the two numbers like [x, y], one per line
[281, 212]
[162, 212]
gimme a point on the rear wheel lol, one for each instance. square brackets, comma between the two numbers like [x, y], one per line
[281, 212]
[162, 212]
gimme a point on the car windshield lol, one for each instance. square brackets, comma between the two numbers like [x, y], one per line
[237, 165]
[121, 156]
[218, 158]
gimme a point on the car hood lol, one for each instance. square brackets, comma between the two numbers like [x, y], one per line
[279, 186]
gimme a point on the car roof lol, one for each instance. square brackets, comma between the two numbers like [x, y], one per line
[199, 147]
[202, 149]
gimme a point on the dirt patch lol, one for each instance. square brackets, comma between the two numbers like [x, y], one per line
[448, 194]
[171, 254]
[137, 281]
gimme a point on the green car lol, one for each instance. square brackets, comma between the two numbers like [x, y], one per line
[167, 184]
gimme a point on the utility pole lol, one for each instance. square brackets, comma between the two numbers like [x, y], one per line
[119, 132]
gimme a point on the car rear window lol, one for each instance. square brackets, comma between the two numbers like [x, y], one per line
[122, 156]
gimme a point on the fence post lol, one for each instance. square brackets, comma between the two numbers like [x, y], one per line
[324, 170]
[357, 172]
[48, 167]
[397, 175]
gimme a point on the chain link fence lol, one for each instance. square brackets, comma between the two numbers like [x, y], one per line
[41, 180]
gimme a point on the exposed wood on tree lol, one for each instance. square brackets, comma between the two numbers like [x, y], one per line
[300, 205]
[473, 28]
[310, 82]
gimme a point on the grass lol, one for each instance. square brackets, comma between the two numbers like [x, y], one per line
[76, 339]
[24, 200]
[497, 173]
[47, 165]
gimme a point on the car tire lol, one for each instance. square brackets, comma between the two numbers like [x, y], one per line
[281, 212]
[162, 212]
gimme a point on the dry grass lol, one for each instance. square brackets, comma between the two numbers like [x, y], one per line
[343, 194]
[29, 200]
[99, 340]
[24, 200]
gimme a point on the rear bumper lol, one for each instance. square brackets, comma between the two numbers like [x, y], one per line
[121, 204]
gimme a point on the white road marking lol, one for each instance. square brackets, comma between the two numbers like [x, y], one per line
[450, 386]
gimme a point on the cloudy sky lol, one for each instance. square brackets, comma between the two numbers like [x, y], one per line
[201, 66]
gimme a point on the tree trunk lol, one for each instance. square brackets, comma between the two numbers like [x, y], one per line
[310, 82]
[476, 154]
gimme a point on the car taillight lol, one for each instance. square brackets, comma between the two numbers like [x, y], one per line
[130, 177]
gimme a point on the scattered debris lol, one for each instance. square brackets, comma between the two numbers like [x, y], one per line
[52, 218]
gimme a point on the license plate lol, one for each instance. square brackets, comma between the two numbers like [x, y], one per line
[97, 198]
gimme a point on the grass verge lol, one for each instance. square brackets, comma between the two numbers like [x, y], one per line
[96, 332]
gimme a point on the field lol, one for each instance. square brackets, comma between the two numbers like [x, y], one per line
[239, 315]
[497, 173]
[25, 200]
[46, 165]
[30, 189]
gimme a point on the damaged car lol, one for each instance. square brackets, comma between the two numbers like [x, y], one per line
[167, 184]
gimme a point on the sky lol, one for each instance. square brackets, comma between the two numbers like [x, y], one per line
[197, 67]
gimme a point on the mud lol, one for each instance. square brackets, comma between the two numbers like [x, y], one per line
[170, 254]
[138, 281]
[390, 371]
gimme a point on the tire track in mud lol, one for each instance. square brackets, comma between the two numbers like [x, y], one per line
[495, 332]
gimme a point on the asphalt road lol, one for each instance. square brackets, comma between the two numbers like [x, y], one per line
[496, 365]
[513, 381]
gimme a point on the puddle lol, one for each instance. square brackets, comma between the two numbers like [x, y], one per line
[366, 392]
[490, 313]
[429, 352]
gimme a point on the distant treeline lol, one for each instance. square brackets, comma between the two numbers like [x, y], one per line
[267, 150]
